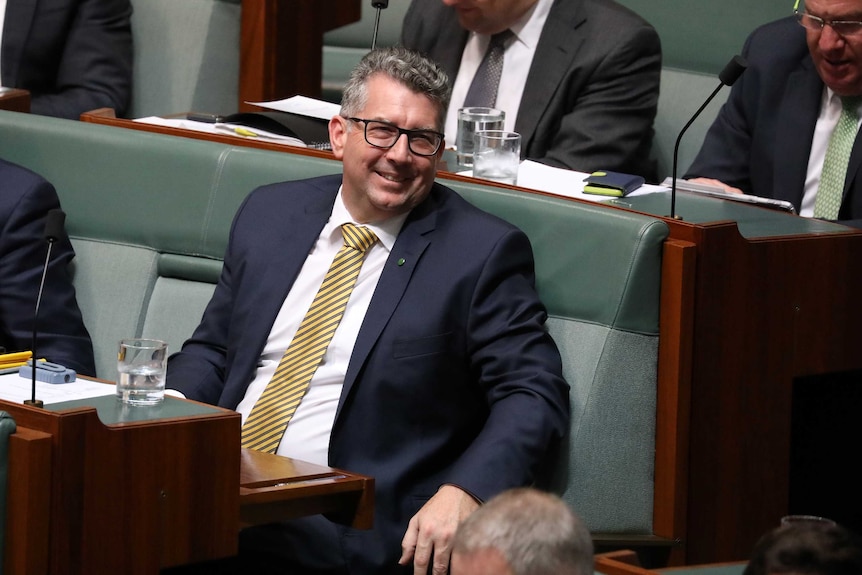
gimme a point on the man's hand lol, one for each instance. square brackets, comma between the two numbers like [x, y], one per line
[430, 532]
[718, 183]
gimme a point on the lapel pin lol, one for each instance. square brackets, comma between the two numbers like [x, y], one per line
[400, 261]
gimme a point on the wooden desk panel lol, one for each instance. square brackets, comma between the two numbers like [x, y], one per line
[281, 46]
[14, 100]
[139, 495]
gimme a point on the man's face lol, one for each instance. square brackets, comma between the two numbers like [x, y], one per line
[489, 16]
[838, 59]
[381, 183]
[482, 562]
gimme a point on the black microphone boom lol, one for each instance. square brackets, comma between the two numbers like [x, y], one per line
[731, 72]
[54, 231]
[380, 5]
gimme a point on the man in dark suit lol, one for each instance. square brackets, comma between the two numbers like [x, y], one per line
[25, 199]
[71, 55]
[440, 381]
[580, 79]
[771, 137]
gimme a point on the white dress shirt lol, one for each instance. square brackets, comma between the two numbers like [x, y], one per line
[307, 434]
[516, 65]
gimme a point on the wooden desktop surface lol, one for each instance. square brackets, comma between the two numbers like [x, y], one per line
[742, 319]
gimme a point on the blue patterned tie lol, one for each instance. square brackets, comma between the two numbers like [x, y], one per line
[483, 90]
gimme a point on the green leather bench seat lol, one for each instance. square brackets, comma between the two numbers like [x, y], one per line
[149, 216]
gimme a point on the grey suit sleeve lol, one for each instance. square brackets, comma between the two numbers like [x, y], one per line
[608, 123]
[95, 67]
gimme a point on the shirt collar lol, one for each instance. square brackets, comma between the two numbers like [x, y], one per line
[387, 230]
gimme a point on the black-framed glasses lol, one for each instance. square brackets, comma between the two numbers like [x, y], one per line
[841, 27]
[384, 135]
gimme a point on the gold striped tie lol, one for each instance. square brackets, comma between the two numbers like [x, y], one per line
[269, 417]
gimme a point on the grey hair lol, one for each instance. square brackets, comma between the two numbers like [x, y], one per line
[413, 70]
[536, 532]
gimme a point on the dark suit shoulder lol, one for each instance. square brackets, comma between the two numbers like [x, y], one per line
[16, 182]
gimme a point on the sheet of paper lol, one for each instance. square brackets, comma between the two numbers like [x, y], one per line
[569, 183]
[16, 389]
[304, 106]
[222, 128]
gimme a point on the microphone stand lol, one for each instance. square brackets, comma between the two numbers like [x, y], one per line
[33, 401]
[53, 231]
[379, 5]
[731, 72]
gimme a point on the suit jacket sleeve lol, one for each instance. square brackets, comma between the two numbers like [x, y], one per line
[90, 67]
[62, 337]
[518, 368]
[606, 121]
[726, 151]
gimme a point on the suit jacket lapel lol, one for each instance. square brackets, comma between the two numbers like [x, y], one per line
[412, 241]
[19, 18]
[558, 45]
[285, 264]
[797, 116]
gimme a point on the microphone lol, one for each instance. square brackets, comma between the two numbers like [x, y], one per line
[54, 230]
[731, 72]
[380, 5]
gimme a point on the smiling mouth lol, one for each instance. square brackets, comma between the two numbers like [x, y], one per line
[392, 177]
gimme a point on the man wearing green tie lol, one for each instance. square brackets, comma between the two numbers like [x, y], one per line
[789, 128]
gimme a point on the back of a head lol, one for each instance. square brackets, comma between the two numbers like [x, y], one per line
[807, 549]
[536, 532]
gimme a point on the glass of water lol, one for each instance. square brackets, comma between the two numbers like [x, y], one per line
[141, 365]
[470, 121]
[497, 155]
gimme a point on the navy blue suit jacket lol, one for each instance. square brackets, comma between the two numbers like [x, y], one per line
[761, 139]
[592, 90]
[453, 378]
[25, 199]
[72, 55]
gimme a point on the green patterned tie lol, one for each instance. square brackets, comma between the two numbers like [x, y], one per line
[267, 421]
[830, 192]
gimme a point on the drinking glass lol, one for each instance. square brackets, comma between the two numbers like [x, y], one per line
[497, 155]
[141, 366]
[470, 121]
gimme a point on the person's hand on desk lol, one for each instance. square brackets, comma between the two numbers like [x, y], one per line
[430, 532]
[718, 183]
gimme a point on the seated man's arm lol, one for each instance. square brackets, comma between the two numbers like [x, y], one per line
[613, 102]
[197, 371]
[62, 337]
[724, 158]
[95, 67]
[519, 369]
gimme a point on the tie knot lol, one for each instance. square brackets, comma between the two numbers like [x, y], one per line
[500, 38]
[359, 238]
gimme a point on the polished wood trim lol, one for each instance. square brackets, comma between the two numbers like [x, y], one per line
[28, 503]
[14, 100]
[275, 488]
[676, 326]
[281, 46]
